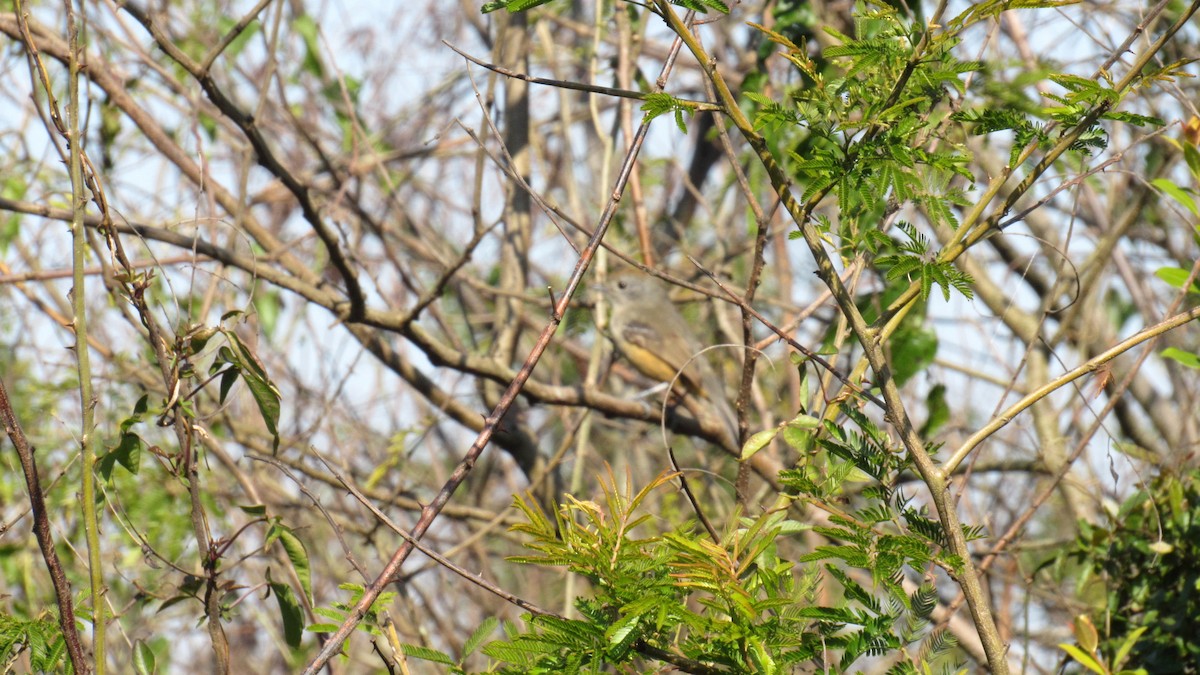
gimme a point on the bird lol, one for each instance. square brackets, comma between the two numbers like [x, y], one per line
[648, 330]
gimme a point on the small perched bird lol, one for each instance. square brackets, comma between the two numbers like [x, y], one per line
[653, 336]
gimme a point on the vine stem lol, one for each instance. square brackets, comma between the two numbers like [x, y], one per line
[87, 401]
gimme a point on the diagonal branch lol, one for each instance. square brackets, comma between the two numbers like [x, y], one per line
[492, 422]
[693, 106]
[1089, 366]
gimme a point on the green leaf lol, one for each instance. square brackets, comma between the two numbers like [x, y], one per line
[937, 411]
[513, 6]
[619, 632]
[485, 629]
[680, 123]
[127, 453]
[265, 394]
[1127, 645]
[307, 29]
[426, 654]
[703, 6]
[12, 228]
[1176, 277]
[992, 8]
[1192, 156]
[228, 378]
[804, 422]
[139, 413]
[1177, 193]
[799, 432]
[267, 304]
[913, 349]
[1133, 118]
[14, 189]
[1084, 659]
[296, 554]
[757, 442]
[659, 103]
[143, 658]
[256, 510]
[1189, 359]
[760, 658]
[1085, 634]
[289, 612]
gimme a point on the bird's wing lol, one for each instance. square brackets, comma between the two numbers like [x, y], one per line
[667, 347]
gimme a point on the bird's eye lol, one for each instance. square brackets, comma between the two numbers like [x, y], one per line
[622, 284]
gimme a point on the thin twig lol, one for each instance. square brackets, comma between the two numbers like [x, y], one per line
[356, 299]
[492, 422]
[687, 490]
[694, 106]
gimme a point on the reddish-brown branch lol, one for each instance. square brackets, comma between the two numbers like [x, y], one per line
[492, 422]
[41, 530]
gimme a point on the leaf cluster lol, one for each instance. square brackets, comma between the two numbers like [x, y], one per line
[858, 127]
[1084, 105]
[741, 603]
[902, 260]
[338, 611]
[40, 639]
[1146, 561]
[232, 361]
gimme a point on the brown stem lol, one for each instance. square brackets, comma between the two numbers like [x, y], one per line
[41, 530]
